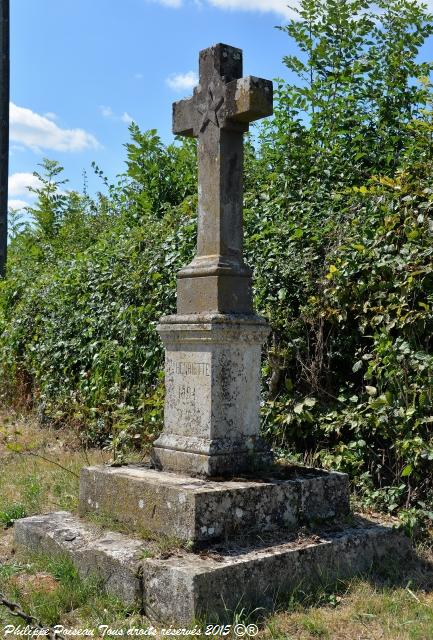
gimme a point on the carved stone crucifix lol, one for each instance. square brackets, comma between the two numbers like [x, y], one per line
[219, 113]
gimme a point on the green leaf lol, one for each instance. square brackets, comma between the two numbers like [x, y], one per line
[357, 366]
[310, 402]
[298, 233]
[15, 447]
[282, 294]
[407, 471]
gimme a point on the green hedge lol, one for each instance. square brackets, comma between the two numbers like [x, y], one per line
[339, 230]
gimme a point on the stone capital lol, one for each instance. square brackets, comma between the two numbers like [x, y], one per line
[215, 329]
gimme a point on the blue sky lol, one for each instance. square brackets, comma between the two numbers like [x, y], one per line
[81, 70]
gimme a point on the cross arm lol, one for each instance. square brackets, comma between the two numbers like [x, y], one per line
[184, 117]
[251, 98]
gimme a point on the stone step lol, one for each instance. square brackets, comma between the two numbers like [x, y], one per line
[200, 510]
[181, 587]
[111, 556]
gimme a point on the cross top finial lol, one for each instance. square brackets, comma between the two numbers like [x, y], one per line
[219, 65]
[220, 61]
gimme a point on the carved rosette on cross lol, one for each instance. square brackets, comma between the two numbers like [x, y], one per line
[213, 344]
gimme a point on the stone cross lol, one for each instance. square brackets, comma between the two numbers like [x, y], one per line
[213, 344]
[219, 114]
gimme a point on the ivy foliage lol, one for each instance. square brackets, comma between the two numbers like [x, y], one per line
[339, 230]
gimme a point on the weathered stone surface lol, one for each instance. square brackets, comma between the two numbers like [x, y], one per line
[187, 587]
[111, 556]
[218, 114]
[252, 99]
[201, 510]
[212, 404]
[212, 585]
[228, 293]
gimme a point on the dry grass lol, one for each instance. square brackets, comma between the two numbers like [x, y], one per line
[39, 471]
[396, 604]
[19, 430]
[365, 611]
[31, 484]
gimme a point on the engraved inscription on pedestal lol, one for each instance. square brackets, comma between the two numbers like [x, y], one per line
[188, 391]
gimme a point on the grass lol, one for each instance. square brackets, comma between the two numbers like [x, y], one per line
[66, 593]
[10, 513]
[29, 485]
[69, 600]
[157, 543]
[364, 611]
[392, 603]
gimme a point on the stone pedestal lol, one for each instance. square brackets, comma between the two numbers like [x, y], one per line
[212, 406]
[180, 588]
[215, 283]
[202, 511]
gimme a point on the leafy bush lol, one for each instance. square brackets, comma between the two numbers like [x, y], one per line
[339, 229]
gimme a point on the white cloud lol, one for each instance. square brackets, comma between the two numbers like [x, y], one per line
[125, 117]
[20, 182]
[51, 116]
[283, 8]
[17, 204]
[18, 189]
[38, 132]
[182, 81]
[279, 7]
[276, 6]
[107, 112]
[170, 3]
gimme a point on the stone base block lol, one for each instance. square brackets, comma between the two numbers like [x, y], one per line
[211, 458]
[111, 556]
[214, 294]
[215, 587]
[215, 584]
[200, 510]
